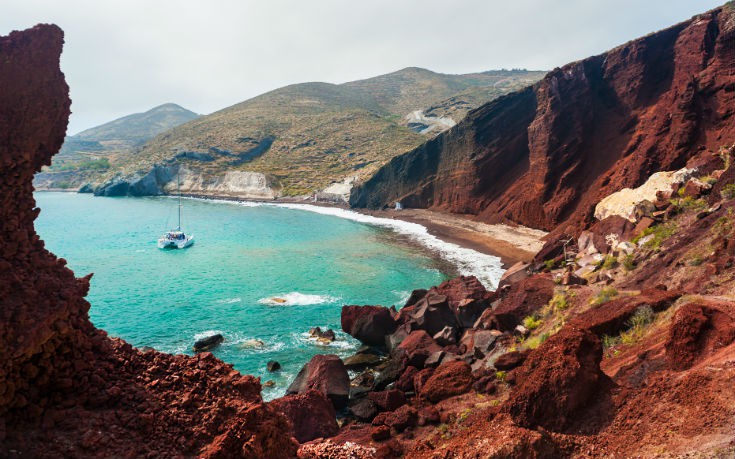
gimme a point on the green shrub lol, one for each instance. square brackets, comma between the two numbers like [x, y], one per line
[558, 302]
[609, 262]
[728, 191]
[629, 262]
[689, 203]
[549, 264]
[603, 296]
[660, 233]
[532, 322]
[500, 375]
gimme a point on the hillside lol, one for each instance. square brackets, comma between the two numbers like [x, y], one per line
[301, 138]
[92, 151]
[545, 155]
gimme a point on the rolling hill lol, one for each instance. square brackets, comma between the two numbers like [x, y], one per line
[302, 138]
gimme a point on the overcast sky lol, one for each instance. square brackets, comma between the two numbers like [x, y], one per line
[126, 56]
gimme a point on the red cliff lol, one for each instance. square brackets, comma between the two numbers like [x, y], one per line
[66, 389]
[544, 156]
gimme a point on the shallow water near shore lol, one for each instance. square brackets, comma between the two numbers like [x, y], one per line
[245, 256]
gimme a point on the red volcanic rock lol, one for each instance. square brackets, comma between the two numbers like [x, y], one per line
[420, 378]
[522, 299]
[432, 313]
[369, 324]
[405, 382]
[449, 379]
[546, 155]
[558, 381]
[328, 375]
[311, 414]
[364, 409]
[380, 433]
[418, 347]
[400, 419]
[510, 360]
[698, 330]
[66, 389]
[388, 400]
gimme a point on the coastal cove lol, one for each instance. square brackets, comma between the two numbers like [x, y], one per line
[245, 255]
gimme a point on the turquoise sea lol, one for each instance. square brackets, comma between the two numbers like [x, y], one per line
[244, 256]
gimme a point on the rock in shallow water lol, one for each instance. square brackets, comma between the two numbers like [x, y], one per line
[208, 343]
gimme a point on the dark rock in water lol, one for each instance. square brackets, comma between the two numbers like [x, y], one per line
[326, 336]
[328, 375]
[210, 342]
[311, 415]
[269, 383]
[273, 366]
[360, 361]
[147, 349]
[369, 324]
[86, 188]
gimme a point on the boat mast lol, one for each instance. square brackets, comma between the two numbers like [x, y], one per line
[178, 188]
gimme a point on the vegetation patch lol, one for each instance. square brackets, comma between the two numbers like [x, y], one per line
[637, 327]
[603, 296]
[660, 233]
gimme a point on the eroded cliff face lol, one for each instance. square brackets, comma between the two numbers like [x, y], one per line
[544, 156]
[66, 389]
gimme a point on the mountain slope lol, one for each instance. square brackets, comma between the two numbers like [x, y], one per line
[303, 137]
[544, 156]
[91, 151]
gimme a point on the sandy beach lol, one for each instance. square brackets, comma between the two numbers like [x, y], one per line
[511, 244]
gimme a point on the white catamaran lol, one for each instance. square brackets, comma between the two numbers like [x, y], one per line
[176, 239]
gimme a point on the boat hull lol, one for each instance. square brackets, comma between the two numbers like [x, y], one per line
[164, 243]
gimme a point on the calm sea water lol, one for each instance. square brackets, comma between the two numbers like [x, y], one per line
[244, 255]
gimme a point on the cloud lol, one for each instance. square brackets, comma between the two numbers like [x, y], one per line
[126, 57]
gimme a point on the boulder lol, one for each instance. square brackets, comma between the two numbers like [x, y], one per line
[405, 381]
[311, 415]
[418, 346]
[368, 324]
[393, 340]
[570, 278]
[420, 378]
[450, 379]
[480, 342]
[400, 419]
[324, 336]
[698, 330]
[522, 299]
[695, 188]
[363, 409]
[361, 361]
[510, 360]
[272, 366]
[515, 273]
[467, 311]
[392, 369]
[388, 400]
[415, 296]
[447, 336]
[380, 433]
[328, 375]
[208, 343]
[433, 313]
[558, 381]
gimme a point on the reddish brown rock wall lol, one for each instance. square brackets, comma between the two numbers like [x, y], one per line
[66, 389]
[546, 155]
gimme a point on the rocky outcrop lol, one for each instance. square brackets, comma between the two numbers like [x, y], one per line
[369, 324]
[162, 179]
[328, 375]
[311, 415]
[66, 389]
[546, 155]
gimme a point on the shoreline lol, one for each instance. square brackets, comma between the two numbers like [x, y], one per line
[511, 244]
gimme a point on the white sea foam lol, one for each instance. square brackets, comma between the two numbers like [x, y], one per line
[487, 268]
[229, 300]
[297, 299]
[204, 334]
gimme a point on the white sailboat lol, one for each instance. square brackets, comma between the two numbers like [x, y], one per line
[176, 238]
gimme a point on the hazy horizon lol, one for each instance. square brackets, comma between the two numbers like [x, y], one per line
[131, 57]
